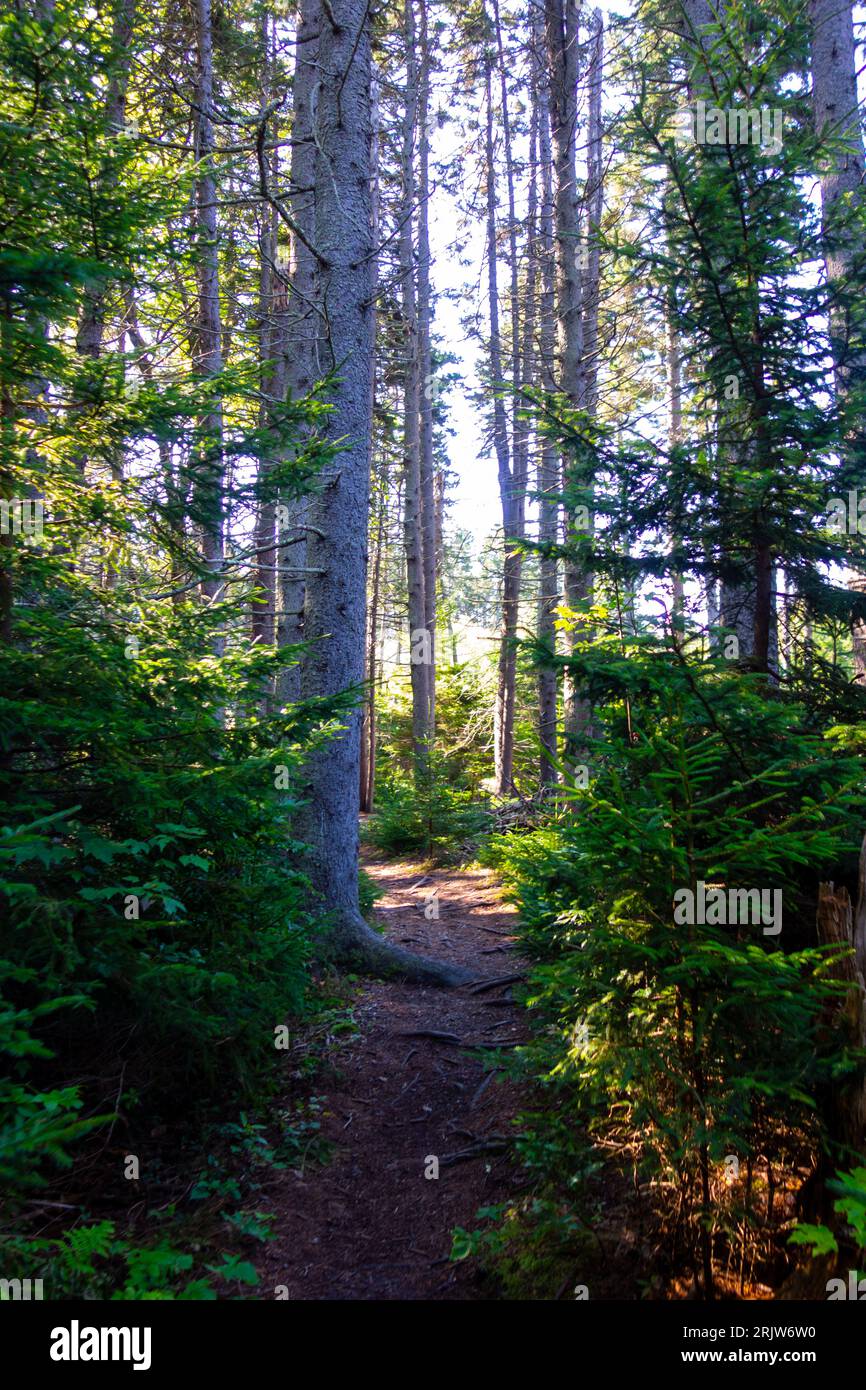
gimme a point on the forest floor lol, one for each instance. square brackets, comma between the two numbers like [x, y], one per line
[368, 1223]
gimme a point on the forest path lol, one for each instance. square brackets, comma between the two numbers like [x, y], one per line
[368, 1224]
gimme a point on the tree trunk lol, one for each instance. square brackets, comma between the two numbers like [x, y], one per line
[208, 463]
[675, 438]
[303, 328]
[335, 603]
[591, 279]
[368, 729]
[837, 117]
[513, 493]
[91, 326]
[271, 382]
[502, 748]
[420, 653]
[561, 23]
[425, 313]
[548, 463]
[845, 1107]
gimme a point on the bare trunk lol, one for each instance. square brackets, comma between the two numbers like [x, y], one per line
[561, 23]
[91, 327]
[271, 385]
[837, 118]
[675, 438]
[591, 258]
[208, 463]
[512, 489]
[428, 497]
[368, 730]
[334, 612]
[501, 444]
[548, 462]
[302, 329]
[840, 927]
[420, 653]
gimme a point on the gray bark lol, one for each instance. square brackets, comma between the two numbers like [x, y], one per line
[548, 462]
[420, 671]
[302, 328]
[675, 435]
[272, 379]
[512, 487]
[425, 316]
[594, 199]
[335, 602]
[837, 119]
[208, 465]
[561, 25]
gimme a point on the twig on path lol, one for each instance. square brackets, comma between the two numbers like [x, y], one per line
[407, 1087]
[450, 1038]
[495, 1145]
[484, 985]
[483, 1087]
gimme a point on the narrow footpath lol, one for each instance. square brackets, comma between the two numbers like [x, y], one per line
[411, 1097]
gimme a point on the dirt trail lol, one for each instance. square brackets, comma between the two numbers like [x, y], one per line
[369, 1224]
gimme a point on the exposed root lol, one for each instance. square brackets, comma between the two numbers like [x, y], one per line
[354, 945]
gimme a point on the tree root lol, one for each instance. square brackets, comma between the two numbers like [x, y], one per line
[354, 945]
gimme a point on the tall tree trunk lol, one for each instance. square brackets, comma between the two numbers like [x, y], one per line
[501, 442]
[548, 462]
[335, 604]
[271, 379]
[91, 326]
[840, 926]
[208, 464]
[837, 118]
[303, 329]
[561, 25]
[594, 198]
[368, 730]
[377, 517]
[513, 493]
[425, 316]
[674, 364]
[420, 651]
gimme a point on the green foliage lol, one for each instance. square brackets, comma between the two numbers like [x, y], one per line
[430, 815]
[850, 1204]
[369, 893]
[153, 918]
[531, 1248]
[465, 694]
[683, 1043]
[92, 1262]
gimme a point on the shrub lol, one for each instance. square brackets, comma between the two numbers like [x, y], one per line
[682, 1044]
[433, 818]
